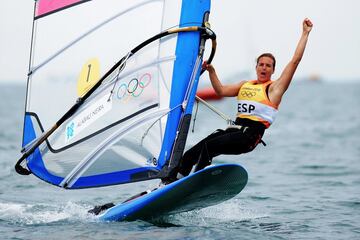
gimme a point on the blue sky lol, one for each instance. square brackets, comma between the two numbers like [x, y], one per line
[244, 29]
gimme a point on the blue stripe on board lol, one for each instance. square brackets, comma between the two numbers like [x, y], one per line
[131, 210]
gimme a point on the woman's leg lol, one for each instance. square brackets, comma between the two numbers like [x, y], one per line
[230, 141]
[192, 156]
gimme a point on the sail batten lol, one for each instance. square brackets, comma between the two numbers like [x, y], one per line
[117, 107]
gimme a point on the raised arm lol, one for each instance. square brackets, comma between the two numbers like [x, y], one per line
[229, 90]
[278, 88]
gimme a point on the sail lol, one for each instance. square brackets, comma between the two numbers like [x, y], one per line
[126, 129]
[45, 7]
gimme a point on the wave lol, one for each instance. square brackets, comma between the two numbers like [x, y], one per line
[40, 214]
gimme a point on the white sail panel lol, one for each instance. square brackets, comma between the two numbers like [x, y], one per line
[118, 133]
[65, 43]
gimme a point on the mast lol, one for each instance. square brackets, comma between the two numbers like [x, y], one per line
[170, 171]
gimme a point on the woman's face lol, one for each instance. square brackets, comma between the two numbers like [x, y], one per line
[264, 69]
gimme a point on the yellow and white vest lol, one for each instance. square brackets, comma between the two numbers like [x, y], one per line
[254, 103]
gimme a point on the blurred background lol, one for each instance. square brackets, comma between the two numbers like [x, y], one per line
[303, 185]
[244, 29]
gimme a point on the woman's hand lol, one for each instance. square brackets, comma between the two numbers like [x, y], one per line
[307, 25]
[208, 67]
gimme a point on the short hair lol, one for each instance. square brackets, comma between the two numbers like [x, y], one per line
[267, 55]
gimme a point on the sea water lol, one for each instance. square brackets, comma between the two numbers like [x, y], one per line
[305, 184]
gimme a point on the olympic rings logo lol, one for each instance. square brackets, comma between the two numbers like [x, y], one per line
[134, 87]
[248, 94]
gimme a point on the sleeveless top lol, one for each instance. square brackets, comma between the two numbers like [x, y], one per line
[254, 103]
